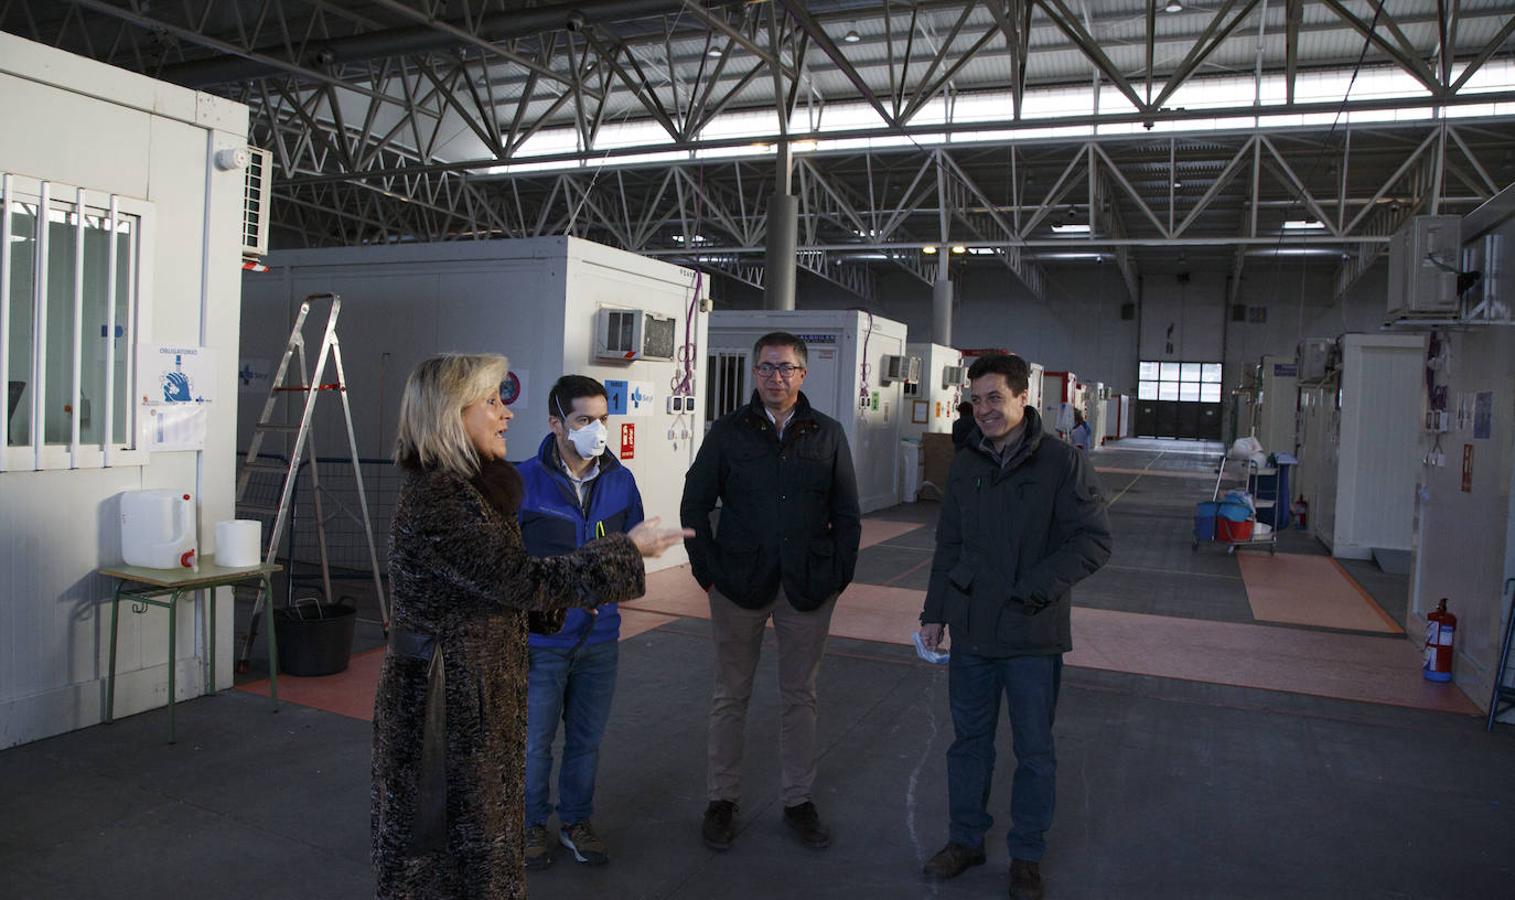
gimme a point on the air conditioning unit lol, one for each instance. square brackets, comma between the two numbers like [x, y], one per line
[1423, 267]
[1315, 358]
[627, 335]
[256, 190]
[901, 368]
[954, 376]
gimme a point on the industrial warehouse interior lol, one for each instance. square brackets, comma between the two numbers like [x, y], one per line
[1257, 258]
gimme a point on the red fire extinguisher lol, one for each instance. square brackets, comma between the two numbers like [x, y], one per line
[1301, 512]
[1440, 627]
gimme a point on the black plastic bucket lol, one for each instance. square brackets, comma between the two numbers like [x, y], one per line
[315, 638]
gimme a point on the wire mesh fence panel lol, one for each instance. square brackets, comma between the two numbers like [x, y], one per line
[346, 540]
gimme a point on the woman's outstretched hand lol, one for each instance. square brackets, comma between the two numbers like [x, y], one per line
[652, 539]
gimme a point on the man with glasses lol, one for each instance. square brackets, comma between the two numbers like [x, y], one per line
[786, 547]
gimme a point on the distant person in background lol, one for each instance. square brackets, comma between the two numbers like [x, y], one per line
[1082, 435]
[963, 426]
[575, 491]
[449, 726]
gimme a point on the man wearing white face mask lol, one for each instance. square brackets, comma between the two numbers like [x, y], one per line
[575, 490]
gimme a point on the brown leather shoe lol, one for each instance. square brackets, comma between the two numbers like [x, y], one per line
[538, 852]
[953, 860]
[1025, 880]
[807, 823]
[719, 827]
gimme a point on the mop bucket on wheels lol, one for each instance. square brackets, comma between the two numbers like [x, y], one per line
[1234, 521]
[1204, 521]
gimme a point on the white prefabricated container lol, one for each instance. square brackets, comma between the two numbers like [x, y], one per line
[536, 301]
[1117, 417]
[1094, 413]
[1360, 444]
[931, 404]
[1465, 539]
[1276, 407]
[1059, 392]
[846, 350]
[82, 125]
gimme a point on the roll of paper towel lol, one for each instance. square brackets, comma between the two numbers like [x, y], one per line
[239, 543]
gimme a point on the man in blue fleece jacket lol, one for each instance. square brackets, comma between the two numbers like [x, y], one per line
[574, 490]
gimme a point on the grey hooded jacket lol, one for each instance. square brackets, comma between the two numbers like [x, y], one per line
[1012, 541]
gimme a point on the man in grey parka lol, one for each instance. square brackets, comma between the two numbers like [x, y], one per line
[1022, 521]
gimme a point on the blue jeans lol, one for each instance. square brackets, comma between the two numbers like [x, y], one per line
[574, 687]
[974, 685]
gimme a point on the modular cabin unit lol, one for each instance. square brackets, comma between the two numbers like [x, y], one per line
[1359, 444]
[931, 403]
[1094, 413]
[1276, 407]
[1465, 540]
[1059, 393]
[553, 306]
[847, 354]
[1117, 417]
[123, 169]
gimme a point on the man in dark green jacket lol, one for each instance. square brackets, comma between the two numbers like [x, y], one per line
[1023, 520]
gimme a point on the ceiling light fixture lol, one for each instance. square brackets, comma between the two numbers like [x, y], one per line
[715, 51]
[1303, 225]
[1173, 6]
[959, 249]
[929, 249]
[1070, 229]
[851, 37]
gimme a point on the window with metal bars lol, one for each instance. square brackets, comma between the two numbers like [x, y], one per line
[72, 274]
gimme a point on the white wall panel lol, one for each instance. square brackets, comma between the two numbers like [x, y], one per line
[109, 131]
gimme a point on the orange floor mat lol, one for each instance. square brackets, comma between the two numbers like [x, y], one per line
[1310, 590]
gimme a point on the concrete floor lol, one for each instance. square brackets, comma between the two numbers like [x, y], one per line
[1168, 787]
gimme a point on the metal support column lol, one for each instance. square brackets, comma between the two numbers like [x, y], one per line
[941, 289]
[941, 311]
[783, 235]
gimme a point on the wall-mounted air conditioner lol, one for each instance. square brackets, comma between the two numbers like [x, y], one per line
[1423, 266]
[255, 194]
[901, 368]
[628, 335]
[1315, 358]
[954, 376]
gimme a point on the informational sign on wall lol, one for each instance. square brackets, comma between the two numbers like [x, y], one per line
[255, 376]
[1483, 415]
[178, 383]
[515, 389]
[640, 398]
[615, 397]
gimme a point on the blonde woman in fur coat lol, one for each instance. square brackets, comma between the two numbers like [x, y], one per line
[450, 716]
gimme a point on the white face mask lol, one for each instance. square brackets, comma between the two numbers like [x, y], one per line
[589, 442]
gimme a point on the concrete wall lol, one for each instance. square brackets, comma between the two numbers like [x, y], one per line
[90, 125]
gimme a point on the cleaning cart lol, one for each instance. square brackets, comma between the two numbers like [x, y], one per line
[1232, 519]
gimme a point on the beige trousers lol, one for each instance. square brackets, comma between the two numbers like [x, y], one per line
[738, 635]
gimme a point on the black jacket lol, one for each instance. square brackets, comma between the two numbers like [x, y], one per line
[1011, 542]
[789, 509]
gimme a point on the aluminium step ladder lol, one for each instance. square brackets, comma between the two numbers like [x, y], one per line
[311, 385]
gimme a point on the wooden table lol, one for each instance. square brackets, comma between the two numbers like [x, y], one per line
[163, 588]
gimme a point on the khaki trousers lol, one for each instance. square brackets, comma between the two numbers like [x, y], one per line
[738, 635]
